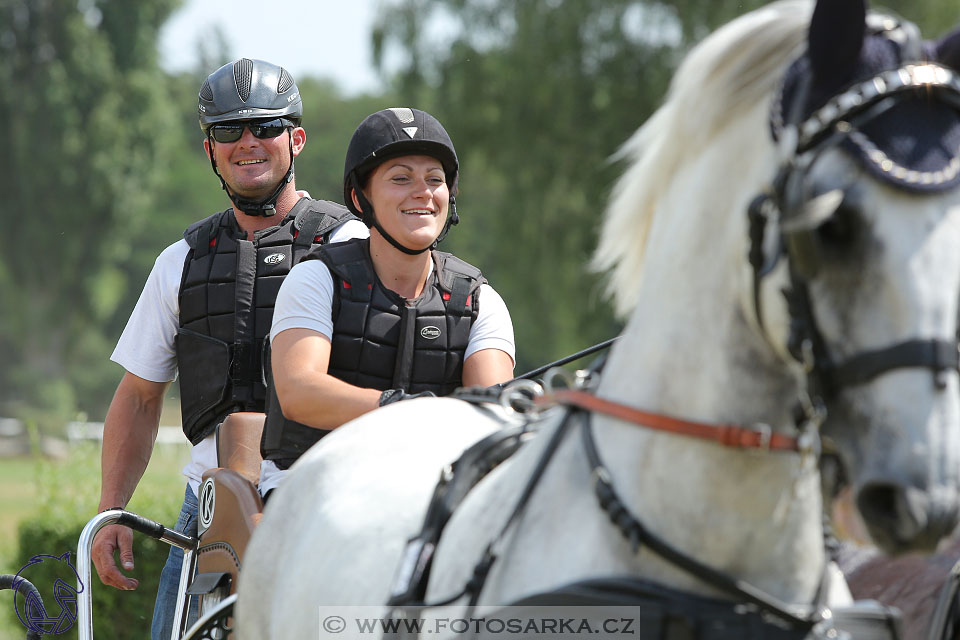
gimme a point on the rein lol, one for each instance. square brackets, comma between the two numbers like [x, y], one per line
[730, 435]
[410, 587]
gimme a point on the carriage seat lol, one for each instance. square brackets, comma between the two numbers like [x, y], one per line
[229, 506]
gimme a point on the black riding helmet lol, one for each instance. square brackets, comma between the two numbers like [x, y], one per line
[250, 90]
[398, 131]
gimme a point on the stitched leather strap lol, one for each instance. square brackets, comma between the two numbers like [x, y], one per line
[729, 435]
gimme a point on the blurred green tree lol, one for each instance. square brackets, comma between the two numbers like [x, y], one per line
[538, 95]
[84, 124]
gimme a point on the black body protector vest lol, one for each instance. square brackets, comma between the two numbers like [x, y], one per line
[382, 340]
[227, 293]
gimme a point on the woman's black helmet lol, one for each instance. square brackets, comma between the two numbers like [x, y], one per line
[396, 132]
[248, 89]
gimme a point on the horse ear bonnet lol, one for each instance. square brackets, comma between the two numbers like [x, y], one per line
[914, 144]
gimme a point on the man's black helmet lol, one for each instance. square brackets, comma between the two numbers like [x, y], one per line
[393, 132]
[246, 89]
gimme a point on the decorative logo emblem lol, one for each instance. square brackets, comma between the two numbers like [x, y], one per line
[39, 617]
[205, 504]
[430, 333]
[410, 131]
[274, 258]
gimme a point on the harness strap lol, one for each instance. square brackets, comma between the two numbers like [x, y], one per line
[637, 534]
[456, 481]
[480, 572]
[938, 355]
[729, 435]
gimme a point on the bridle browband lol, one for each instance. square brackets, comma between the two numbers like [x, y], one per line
[786, 204]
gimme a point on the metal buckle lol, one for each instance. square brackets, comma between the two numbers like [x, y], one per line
[766, 433]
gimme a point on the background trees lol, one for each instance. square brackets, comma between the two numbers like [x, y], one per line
[103, 166]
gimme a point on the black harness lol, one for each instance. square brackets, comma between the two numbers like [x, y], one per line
[665, 613]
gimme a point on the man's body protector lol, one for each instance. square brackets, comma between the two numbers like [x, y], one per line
[227, 293]
[383, 341]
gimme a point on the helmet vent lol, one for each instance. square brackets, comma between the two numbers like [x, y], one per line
[243, 75]
[403, 114]
[286, 81]
[206, 93]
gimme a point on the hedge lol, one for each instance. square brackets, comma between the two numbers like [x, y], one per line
[69, 494]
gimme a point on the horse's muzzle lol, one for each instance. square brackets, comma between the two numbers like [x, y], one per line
[902, 519]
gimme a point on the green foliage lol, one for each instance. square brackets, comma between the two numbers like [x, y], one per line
[104, 165]
[67, 498]
[81, 110]
[537, 95]
[329, 120]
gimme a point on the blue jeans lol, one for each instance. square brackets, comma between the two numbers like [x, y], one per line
[166, 605]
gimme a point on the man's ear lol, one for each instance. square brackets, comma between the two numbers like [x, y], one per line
[356, 201]
[208, 148]
[299, 136]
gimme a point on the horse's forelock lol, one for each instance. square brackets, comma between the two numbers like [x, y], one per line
[731, 70]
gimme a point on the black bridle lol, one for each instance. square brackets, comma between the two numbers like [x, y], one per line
[788, 204]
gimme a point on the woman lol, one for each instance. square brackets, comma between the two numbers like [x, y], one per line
[363, 323]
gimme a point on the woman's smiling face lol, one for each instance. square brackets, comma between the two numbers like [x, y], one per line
[410, 199]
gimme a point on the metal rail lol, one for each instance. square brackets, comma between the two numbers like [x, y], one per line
[145, 526]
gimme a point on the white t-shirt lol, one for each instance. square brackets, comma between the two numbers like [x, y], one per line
[305, 301]
[146, 346]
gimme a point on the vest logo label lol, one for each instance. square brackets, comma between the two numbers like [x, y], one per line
[274, 258]
[430, 333]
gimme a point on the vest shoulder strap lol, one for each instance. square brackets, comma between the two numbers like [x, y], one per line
[458, 278]
[313, 218]
[200, 233]
[349, 264]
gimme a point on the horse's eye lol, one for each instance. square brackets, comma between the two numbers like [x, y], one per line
[840, 229]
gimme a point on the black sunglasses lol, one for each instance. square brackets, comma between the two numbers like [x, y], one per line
[231, 131]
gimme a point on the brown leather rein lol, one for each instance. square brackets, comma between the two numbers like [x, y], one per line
[729, 435]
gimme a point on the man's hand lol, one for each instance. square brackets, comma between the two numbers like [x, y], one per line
[108, 540]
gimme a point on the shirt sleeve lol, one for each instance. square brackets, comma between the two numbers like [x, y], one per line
[493, 328]
[349, 230]
[146, 347]
[305, 300]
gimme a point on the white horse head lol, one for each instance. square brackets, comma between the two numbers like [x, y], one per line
[868, 265]
[866, 332]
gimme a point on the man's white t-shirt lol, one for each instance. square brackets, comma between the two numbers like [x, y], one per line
[146, 347]
[305, 301]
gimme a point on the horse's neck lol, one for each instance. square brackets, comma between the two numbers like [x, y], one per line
[755, 515]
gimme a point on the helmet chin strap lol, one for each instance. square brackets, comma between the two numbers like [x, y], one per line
[262, 208]
[370, 219]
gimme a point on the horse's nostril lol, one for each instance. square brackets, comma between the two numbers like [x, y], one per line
[900, 519]
[877, 500]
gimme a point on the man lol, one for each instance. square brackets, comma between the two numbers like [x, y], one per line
[207, 305]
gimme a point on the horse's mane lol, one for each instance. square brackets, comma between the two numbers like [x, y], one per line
[731, 70]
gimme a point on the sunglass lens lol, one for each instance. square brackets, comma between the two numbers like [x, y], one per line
[231, 132]
[269, 129]
[227, 132]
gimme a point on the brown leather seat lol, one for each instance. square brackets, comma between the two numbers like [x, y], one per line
[229, 505]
